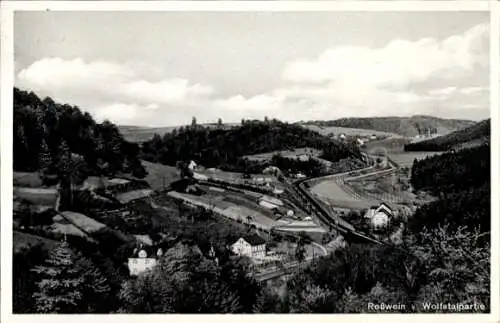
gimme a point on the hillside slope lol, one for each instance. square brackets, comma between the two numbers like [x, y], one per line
[404, 126]
[474, 135]
[49, 134]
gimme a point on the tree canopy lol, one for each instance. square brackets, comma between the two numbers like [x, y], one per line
[216, 147]
[45, 130]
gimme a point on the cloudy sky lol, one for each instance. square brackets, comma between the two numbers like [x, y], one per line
[158, 69]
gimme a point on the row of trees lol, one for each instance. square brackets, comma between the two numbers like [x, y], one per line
[47, 134]
[217, 147]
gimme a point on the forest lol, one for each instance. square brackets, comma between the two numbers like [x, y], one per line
[480, 131]
[46, 133]
[225, 147]
[461, 180]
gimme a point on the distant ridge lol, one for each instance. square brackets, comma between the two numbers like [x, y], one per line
[404, 126]
[472, 136]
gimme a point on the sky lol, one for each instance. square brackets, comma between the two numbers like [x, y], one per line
[163, 68]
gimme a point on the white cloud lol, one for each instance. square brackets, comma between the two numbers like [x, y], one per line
[79, 82]
[473, 90]
[444, 91]
[398, 64]
[401, 78]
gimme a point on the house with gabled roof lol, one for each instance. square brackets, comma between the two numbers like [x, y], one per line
[253, 246]
[380, 216]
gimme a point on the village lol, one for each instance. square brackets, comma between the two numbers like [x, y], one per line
[266, 204]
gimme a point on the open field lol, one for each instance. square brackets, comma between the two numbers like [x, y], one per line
[127, 197]
[159, 174]
[83, 222]
[284, 153]
[234, 212]
[405, 159]
[139, 134]
[24, 240]
[331, 190]
[67, 228]
[38, 196]
[350, 131]
[23, 179]
[234, 177]
[334, 195]
[392, 145]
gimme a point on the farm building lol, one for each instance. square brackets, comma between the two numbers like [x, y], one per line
[379, 216]
[141, 261]
[271, 200]
[252, 246]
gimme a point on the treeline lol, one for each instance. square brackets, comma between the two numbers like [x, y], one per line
[453, 171]
[45, 132]
[479, 131]
[224, 147]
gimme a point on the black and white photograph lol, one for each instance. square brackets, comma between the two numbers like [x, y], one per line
[249, 162]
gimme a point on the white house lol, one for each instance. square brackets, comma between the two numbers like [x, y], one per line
[192, 165]
[141, 261]
[252, 246]
[379, 216]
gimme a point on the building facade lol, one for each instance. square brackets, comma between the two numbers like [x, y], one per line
[252, 246]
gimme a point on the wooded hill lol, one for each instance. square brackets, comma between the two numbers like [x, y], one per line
[44, 131]
[470, 136]
[462, 182]
[220, 147]
[405, 126]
